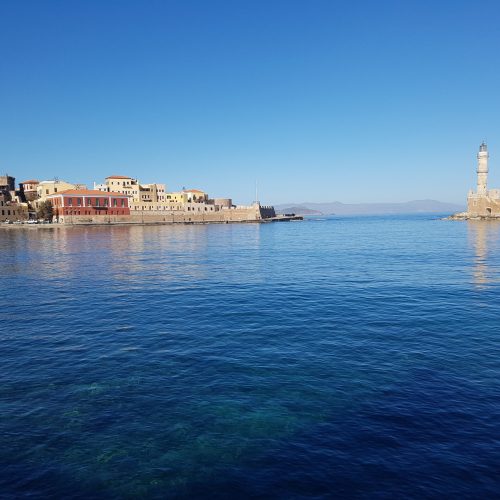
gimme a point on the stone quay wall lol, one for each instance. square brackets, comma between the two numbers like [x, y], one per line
[483, 206]
[240, 214]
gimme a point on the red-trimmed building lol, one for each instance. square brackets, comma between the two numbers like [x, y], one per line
[88, 202]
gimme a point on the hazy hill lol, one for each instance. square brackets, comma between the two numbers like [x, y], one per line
[338, 208]
[297, 209]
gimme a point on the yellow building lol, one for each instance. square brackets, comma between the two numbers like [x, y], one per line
[175, 198]
[195, 196]
[147, 193]
[153, 200]
[46, 188]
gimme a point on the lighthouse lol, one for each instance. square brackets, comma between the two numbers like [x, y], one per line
[482, 169]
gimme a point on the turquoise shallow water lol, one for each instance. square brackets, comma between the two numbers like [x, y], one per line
[346, 357]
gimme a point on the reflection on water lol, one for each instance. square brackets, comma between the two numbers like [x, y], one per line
[134, 255]
[484, 237]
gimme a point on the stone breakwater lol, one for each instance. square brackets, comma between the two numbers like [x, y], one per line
[234, 217]
[468, 216]
[254, 213]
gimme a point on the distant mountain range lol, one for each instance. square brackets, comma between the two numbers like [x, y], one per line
[338, 208]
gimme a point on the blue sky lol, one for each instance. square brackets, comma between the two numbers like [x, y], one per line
[318, 100]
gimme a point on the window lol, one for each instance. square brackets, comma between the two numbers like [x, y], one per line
[105, 202]
[96, 202]
[79, 202]
[115, 202]
[70, 202]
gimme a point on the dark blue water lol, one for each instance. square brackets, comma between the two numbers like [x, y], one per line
[354, 357]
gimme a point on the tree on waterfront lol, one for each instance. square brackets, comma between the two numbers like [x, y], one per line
[45, 210]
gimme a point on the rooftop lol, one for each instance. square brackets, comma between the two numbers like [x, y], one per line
[119, 177]
[53, 181]
[89, 192]
[30, 182]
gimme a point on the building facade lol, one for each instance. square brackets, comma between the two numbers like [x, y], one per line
[47, 188]
[149, 193]
[12, 210]
[7, 183]
[88, 204]
[29, 189]
[12, 205]
[195, 195]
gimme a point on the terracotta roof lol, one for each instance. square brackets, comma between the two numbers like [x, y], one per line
[193, 191]
[88, 192]
[119, 177]
[30, 182]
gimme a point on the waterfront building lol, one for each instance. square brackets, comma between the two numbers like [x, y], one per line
[151, 199]
[12, 210]
[178, 198]
[123, 199]
[149, 193]
[195, 195]
[12, 206]
[47, 188]
[7, 183]
[89, 205]
[29, 189]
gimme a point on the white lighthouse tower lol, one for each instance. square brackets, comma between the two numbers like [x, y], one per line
[482, 170]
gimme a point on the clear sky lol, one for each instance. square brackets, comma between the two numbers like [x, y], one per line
[319, 100]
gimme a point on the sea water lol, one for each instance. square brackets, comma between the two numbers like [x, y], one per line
[335, 357]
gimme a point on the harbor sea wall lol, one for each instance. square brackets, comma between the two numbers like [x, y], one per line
[254, 213]
[480, 207]
[483, 206]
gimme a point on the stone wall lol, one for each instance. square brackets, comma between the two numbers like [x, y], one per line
[483, 206]
[12, 210]
[247, 214]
